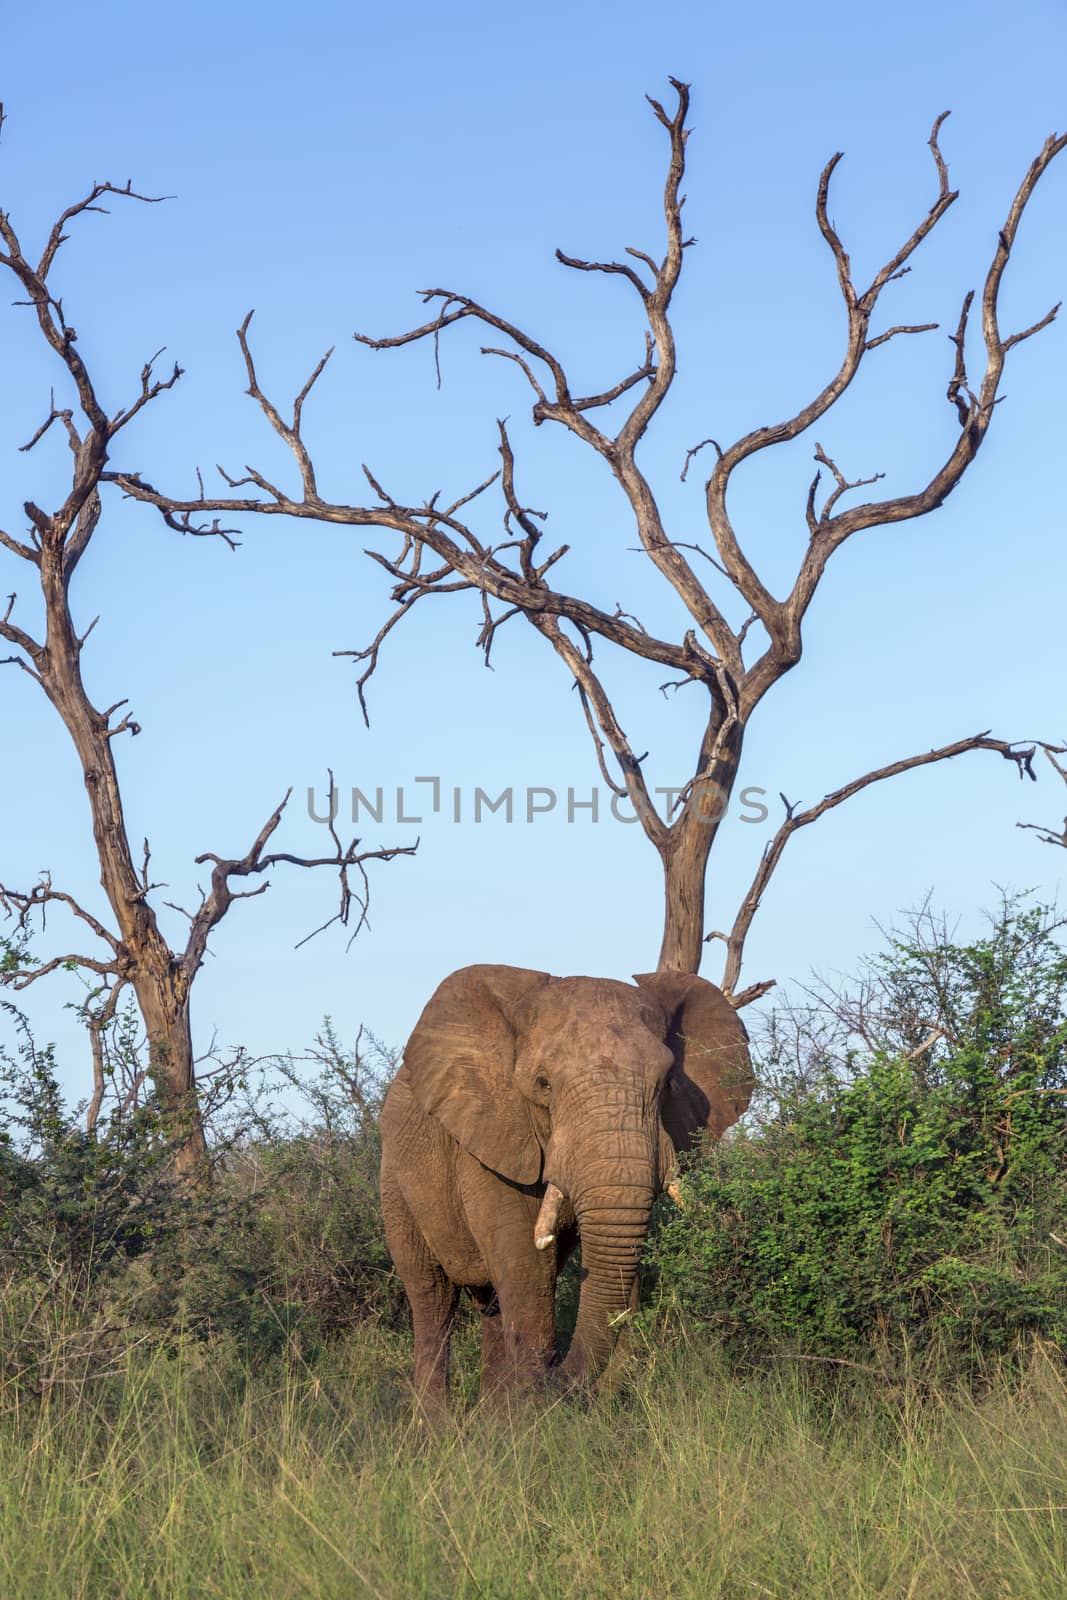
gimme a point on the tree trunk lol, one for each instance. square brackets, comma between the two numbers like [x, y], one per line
[170, 1061]
[685, 866]
[144, 959]
[685, 856]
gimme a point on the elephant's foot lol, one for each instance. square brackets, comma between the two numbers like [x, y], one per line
[509, 1384]
[569, 1379]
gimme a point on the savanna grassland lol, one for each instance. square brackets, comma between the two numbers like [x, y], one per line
[848, 1378]
[187, 1474]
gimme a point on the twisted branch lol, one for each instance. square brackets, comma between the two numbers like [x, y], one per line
[1022, 756]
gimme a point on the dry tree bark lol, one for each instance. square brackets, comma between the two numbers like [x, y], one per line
[440, 551]
[132, 950]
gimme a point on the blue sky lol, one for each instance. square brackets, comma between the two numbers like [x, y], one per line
[328, 161]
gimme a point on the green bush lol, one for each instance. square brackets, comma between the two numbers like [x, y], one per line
[902, 1184]
[101, 1252]
[310, 1175]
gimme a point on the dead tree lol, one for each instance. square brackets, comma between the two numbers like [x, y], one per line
[132, 951]
[441, 551]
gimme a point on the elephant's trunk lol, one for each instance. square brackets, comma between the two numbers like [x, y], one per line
[613, 1225]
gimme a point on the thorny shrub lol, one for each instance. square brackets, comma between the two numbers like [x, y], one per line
[900, 1185]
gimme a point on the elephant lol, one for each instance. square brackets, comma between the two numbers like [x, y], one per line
[529, 1112]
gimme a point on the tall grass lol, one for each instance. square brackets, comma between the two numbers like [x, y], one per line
[188, 1475]
[848, 1379]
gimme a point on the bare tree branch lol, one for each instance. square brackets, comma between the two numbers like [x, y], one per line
[783, 620]
[592, 694]
[22, 903]
[891, 333]
[22, 977]
[217, 901]
[288, 431]
[17, 636]
[150, 389]
[735, 941]
[1049, 835]
[619, 267]
[98, 1024]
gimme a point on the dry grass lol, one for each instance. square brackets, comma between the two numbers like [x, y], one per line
[188, 1476]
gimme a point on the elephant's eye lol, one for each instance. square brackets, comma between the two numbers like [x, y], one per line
[541, 1084]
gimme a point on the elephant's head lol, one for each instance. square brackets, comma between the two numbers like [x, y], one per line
[590, 1087]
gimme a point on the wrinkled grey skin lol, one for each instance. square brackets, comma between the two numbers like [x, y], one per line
[513, 1080]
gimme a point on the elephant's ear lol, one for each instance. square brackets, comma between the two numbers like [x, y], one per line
[460, 1062]
[711, 1082]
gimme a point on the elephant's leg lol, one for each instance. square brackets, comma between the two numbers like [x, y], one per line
[517, 1310]
[493, 1351]
[501, 1217]
[431, 1295]
[529, 1341]
[526, 1290]
[433, 1313]
[518, 1346]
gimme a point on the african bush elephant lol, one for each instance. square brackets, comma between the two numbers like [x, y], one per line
[529, 1110]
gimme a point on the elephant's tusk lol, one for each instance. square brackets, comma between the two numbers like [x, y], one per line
[547, 1218]
[675, 1193]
